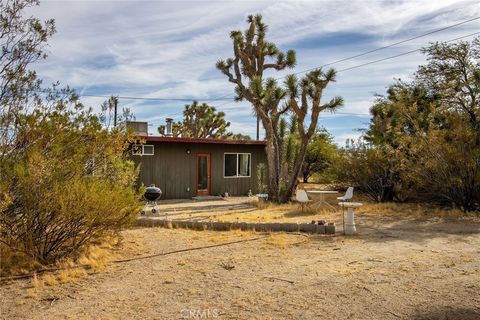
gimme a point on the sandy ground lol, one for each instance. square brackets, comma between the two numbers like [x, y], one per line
[395, 268]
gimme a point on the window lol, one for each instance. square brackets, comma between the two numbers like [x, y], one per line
[237, 165]
[230, 165]
[142, 150]
[148, 150]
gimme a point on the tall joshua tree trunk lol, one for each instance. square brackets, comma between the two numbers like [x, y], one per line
[273, 169]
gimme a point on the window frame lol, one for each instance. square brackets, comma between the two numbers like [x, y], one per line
[143, 149]
[236, 167]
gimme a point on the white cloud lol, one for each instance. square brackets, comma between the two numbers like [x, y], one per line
[169, 48]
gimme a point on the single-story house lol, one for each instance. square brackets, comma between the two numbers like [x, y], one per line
[187, 167]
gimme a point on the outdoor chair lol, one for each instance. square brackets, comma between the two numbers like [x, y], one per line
[347, 196]
[302, 198]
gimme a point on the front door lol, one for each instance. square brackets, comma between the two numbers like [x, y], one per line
[203, 174]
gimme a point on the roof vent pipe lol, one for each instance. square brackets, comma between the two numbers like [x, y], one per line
[169, 122]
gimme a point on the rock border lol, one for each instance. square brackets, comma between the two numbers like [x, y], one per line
[227, 226]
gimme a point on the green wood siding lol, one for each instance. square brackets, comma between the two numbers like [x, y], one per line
[174, 171]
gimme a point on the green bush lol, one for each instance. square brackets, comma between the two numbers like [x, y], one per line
[66, 182]
[65, 178]
[445, 167]
[368, 170]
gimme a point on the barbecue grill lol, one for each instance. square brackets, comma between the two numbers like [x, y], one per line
[151, 195]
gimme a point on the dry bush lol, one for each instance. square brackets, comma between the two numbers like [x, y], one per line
[65, 188]
[65, 177]
[62, 222]
[15, 262]
[368, 170]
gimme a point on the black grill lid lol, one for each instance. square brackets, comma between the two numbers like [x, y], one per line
[153, 189]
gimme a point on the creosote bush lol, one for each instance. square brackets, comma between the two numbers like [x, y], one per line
[423, 143]
[66, 183]
[65, 177]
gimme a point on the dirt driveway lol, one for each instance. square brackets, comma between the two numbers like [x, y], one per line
[396, 268]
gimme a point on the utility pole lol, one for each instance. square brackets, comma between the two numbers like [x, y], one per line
[115, 106]
[258, 128]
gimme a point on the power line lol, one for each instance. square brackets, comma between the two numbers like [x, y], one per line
[380, 60]
[401, 54]
[373, 62]
[338, 61]
[333, 113]
[153, 99]
[378, 49]
[389, 46]
[229, 96]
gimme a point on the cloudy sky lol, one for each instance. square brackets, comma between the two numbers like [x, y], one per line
[168, 49]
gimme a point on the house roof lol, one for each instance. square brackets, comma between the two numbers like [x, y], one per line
[210, 141]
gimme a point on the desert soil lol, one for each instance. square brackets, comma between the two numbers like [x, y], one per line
[395, 268]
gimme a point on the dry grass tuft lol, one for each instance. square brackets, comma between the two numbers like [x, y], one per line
[37, 282]
[218, 237]
[95, 257]
[181, 262]
[415, 210]
[14, 262]
[280, 241]
[49, 279]
[260, 204]
[72, 274]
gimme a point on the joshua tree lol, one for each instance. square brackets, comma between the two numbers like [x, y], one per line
[304, 98]
[251, 51]
[200, 121]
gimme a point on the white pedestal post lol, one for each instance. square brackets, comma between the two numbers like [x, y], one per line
[349, 224]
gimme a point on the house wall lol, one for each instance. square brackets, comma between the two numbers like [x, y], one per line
[175, 172]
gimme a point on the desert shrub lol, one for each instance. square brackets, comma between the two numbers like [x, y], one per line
[70, 215]
[437, 166]
[368, 170]
[65, 178]
[444, 166]
[429, 129]
[66, 182]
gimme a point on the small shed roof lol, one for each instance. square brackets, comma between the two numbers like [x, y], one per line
[211, 141]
